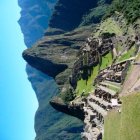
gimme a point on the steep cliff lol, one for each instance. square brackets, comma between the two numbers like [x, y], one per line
[34, 21]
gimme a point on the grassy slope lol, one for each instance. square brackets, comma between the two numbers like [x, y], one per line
[88, 85]
[106, 61]
[110, 26]
[124, 125]
[112, 125]
[128, 54]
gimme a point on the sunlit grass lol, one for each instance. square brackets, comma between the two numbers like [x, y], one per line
[109, 25]
[124, 125]
[128, 54]
[106, 61]
[87, 85]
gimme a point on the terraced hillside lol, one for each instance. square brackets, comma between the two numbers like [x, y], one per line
[117, 74]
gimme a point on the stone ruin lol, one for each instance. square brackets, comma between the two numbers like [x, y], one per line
[107, 83]
[89, 55]
[114, 73]
[103, 99]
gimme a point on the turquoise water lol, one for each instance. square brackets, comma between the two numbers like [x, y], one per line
[17, 99]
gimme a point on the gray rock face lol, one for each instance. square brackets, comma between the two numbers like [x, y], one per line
[49, 67]
[75, 110]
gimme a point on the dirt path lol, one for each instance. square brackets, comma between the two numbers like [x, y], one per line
[132, 84]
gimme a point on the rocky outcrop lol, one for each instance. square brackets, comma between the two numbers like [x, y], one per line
[75, 110]
[47, 64]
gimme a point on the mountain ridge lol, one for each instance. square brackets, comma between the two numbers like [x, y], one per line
[90, 67]
[46, 117]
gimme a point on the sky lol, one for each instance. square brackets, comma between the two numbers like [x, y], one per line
[17, 99]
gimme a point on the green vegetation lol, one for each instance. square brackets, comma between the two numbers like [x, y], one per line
[110, 26]
[130, 9]
[128, 54]
[68, 96]
[73, 126]
[124, 125]
[95, 15]
[64, 121]
[106, 61]
[119, 47]
[87, 85]
[114, 88]
[112, 126]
